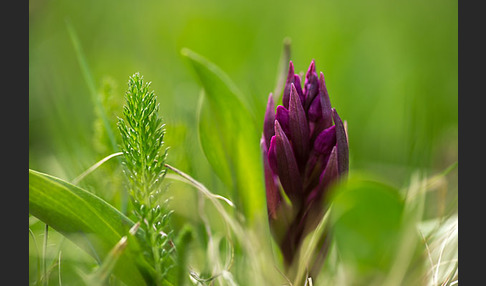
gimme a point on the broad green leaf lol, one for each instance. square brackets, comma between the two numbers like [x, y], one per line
[229, 136]
[87, 220]
[366, 221]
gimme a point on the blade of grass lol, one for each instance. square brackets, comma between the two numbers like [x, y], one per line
[212, 197]
[450, 233]
[198, 186]
[37, 255]
[254, 246]
[44, 251]
[413, 211]
[95, 97]
[101, 275]
[80, 216]
[88, 77]
[59, 269]
[305, 261]
[94, 167]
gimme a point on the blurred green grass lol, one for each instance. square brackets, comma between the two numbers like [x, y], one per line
[390, 68]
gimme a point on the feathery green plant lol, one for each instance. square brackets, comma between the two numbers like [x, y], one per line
[142, 134]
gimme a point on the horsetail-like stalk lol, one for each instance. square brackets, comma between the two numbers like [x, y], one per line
[142, 134]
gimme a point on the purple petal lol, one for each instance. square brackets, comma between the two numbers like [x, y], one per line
[271, 186]
[315, 110]
[342, 144]
[299, 128]
[290, 79]
[319, 157]
[283, 118]
[311, 84]
[288, 171]
[327, 176]
[298, 87]
[268, 129]
[325, 140]
[325, 102]
[295, 79]
[272, 155]
[331, 172]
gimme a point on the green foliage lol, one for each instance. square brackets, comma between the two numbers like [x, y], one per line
[88, 77]
[142, 134]
[108, 94]
[366, 219]
[229, 136]
[87, 220]
[393, 72]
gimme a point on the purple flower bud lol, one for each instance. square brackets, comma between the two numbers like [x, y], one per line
[305, 150]
[295, 79]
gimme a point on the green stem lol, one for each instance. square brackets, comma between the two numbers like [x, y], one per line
[44, 250]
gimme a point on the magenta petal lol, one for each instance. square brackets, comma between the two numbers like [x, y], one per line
[298, 87]
[283, 118]
[299, 128]
[290, 79]
[342, 144]
[319, 156]
[268, 128]
[325, 140]
[331, 172]
[272, 155]
[272, 193]
[315, 110]
[325, 102]
[288, 171]
[328, 175]
[311, 84]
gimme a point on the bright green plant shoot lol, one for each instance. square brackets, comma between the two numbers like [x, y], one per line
[142, 134]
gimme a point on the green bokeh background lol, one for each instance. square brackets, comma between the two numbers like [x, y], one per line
[391, 69]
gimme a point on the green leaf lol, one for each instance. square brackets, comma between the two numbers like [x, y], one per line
[229, 136]
[87, 220]
[366, 222]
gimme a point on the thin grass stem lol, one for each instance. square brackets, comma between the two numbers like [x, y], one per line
[88, 77]
[446, 240]
[44, 251]
[37, 255]
[59, 268]
[198, 185]
[94, 167]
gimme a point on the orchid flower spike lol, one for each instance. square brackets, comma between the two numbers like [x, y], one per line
[305, 149]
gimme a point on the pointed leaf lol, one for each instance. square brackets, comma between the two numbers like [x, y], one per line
[233, 124]
[84, 218]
